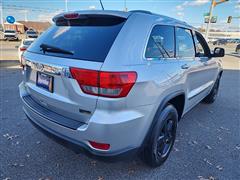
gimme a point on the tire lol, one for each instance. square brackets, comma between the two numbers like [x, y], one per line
[211, 97]
[162, 138]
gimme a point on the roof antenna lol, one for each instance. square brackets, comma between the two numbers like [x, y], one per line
[101, 5]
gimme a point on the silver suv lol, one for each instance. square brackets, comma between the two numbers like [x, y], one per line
[113, 83]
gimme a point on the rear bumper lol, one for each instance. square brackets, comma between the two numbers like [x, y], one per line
[79, 147]
[124, 131]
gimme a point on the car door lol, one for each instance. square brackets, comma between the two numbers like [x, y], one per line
[209, 66]
[194, 68]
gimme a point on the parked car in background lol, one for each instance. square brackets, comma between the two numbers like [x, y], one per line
[10, 35]
[237, 50]
[220, 42]
[23, 47]
[31, 34]
[116, 83]
[237, 41]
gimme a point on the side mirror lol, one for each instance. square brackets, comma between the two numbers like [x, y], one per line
[218, 52]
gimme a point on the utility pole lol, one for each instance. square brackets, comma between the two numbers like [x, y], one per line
[125, 5]
[1, 13]
[66, 5]
[25, 15]
[213, 4]
[209, 19]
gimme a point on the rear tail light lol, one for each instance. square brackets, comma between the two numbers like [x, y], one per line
[100, 146]
[23, 49]
[106, 84]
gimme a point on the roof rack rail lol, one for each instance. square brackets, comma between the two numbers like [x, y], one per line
[141, 11]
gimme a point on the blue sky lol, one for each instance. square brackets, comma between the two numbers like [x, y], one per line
[190, 11]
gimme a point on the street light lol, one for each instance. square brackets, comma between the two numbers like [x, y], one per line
[214, 3]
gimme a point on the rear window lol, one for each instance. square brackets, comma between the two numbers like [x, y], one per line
[88, 37]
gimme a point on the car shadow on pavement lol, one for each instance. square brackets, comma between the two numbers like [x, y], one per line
[206, 141]
[9, 63]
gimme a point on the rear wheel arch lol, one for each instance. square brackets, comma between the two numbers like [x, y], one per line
[178, 102]
[170, 99]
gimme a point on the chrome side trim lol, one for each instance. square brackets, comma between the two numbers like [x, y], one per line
[199, 90]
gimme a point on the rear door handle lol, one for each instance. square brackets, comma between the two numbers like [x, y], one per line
[185, 66]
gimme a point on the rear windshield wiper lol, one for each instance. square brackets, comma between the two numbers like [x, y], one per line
[49, 48]
[160, 47]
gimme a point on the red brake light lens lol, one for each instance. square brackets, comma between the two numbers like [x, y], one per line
[106, 84]
[87, 80]
[116, 84]
[71, 16]
[100, 146]
[23, 49]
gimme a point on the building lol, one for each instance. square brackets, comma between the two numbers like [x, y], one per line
[16, 26]
[22, 26]
[38, 26]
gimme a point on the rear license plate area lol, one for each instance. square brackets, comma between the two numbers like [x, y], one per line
[45, 81]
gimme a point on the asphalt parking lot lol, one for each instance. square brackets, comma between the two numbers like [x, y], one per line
[207, 145]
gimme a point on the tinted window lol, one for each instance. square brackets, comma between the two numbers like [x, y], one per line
[184, 43]
[161, 42]
[88, 38]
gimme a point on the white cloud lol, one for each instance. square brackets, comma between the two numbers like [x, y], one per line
[198, 2]
[237, 6]
[179, 8]
[92, 7]
[180, 14]
[185, 4]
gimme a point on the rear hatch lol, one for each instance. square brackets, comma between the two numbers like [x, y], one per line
[75, 40]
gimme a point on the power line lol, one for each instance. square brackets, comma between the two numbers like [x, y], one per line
[31, 8]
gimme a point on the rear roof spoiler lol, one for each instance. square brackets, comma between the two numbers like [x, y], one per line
[120, 14]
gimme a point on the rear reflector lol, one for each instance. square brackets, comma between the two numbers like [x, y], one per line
[106, 84]
[100, 146]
